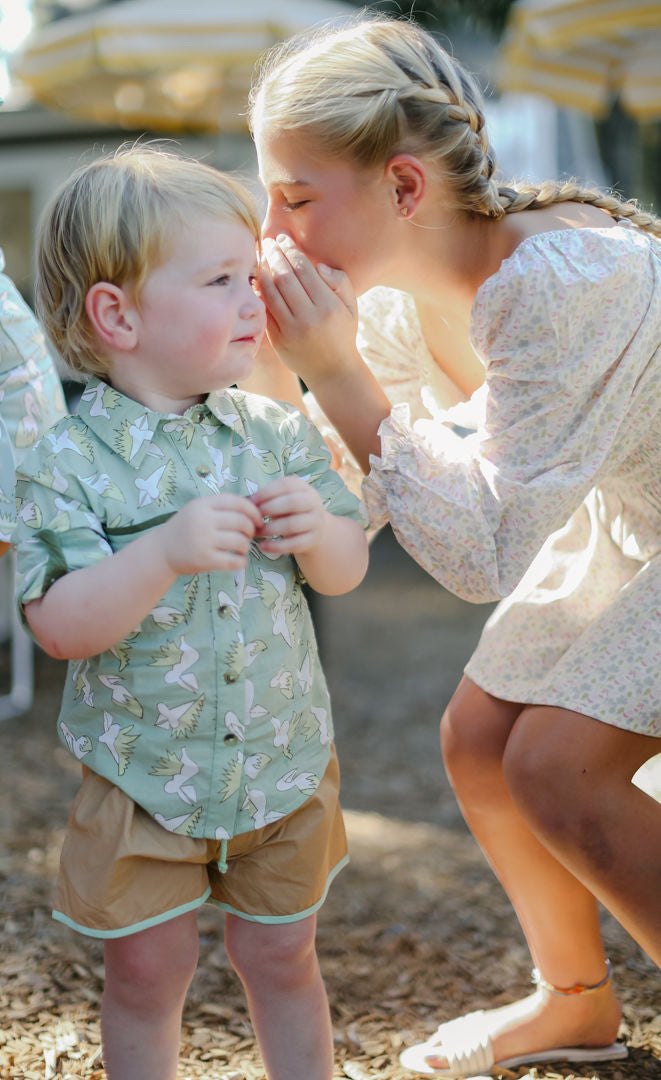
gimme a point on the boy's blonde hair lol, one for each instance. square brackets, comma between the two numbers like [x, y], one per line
[382, 86]
[111, 221]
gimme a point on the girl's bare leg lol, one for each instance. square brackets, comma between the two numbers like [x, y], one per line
[279, 969]
[147, 976]
[558, 914]
[578, 799]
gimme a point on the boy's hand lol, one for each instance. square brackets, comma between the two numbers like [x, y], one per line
[213, 532]
[292, 516]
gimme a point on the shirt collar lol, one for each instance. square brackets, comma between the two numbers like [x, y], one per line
[129, 427]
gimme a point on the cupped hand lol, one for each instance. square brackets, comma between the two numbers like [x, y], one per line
[293, 516]
[312, 311]
[213, 532]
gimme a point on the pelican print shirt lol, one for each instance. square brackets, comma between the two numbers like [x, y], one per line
[213, 714]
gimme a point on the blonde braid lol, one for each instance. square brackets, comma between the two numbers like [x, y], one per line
[528, 197]
[381, 86]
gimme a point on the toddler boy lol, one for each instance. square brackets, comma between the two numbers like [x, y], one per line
[164, 532]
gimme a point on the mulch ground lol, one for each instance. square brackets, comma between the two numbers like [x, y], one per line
[414, 931]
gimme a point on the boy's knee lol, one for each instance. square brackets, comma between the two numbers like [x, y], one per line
[153, 968]
[274, 954]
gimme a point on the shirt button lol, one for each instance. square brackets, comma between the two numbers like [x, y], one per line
[230, 677]
[231, 740]
[202, 471]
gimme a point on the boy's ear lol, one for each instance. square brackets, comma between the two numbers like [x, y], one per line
[112, 315]
[407, 177]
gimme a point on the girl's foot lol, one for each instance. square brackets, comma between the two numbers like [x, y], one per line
[543, 1022]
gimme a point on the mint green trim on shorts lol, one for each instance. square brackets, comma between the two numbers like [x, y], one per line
[277, 920]
[125, 931]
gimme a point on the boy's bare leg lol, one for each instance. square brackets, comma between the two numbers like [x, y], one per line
[147, 976]
[279, 969]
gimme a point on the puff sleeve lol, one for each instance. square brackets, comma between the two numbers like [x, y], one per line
[568, 330]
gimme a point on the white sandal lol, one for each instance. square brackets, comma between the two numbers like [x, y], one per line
[466, 1044]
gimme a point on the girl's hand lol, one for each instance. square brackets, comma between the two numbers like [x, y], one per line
[312, 311]
[213, 532]
[292, 516]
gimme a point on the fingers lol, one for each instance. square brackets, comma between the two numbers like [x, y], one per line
[290, 283]
[292, 511]
[237, 512]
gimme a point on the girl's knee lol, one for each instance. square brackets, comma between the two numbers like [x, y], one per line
[544, 774]
[474, 732]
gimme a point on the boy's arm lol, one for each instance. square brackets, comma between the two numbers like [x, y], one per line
[331, 549]
[338, 561]
[88, 611]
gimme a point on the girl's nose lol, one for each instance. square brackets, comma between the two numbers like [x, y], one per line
[270, 228]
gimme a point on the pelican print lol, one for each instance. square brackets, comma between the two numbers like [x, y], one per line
[181, 720]
[70, 438]
[255, 804]
[179, 658]
[78, 746]
[304, 781]
[119, 741]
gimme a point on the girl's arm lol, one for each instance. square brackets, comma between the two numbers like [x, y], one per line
[312, 326]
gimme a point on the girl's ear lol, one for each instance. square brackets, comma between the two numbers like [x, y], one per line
[112, 315]
[407, 177]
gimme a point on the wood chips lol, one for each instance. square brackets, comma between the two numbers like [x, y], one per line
[415, 930]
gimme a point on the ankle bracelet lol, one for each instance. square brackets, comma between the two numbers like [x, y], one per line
[578, 989]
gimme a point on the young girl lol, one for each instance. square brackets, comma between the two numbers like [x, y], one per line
[544, 306]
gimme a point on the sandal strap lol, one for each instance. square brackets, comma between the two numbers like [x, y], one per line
[466, 1044]
[578, 988]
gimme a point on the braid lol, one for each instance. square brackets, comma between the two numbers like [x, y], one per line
[385, 86]
[529, 197]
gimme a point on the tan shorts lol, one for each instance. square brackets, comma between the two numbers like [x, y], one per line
[121, 872]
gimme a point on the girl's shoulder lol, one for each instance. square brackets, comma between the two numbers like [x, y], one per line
[565, 275]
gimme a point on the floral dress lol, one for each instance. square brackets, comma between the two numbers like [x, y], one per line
[554, 502]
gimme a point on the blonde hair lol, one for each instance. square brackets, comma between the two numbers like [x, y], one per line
[381, 86]
[112, 221]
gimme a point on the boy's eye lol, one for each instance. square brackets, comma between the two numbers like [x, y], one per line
[222, 279]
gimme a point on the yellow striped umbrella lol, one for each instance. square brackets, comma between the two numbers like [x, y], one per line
[585, 53]
[164, 65]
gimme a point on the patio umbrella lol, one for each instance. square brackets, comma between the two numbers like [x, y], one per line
[585, 53]
[165, 65]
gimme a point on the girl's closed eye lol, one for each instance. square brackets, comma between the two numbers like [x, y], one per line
[222, 279]
[289, 206]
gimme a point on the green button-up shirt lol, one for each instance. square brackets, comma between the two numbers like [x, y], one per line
[214, 713]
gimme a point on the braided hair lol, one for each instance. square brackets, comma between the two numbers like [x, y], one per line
[381, 86]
